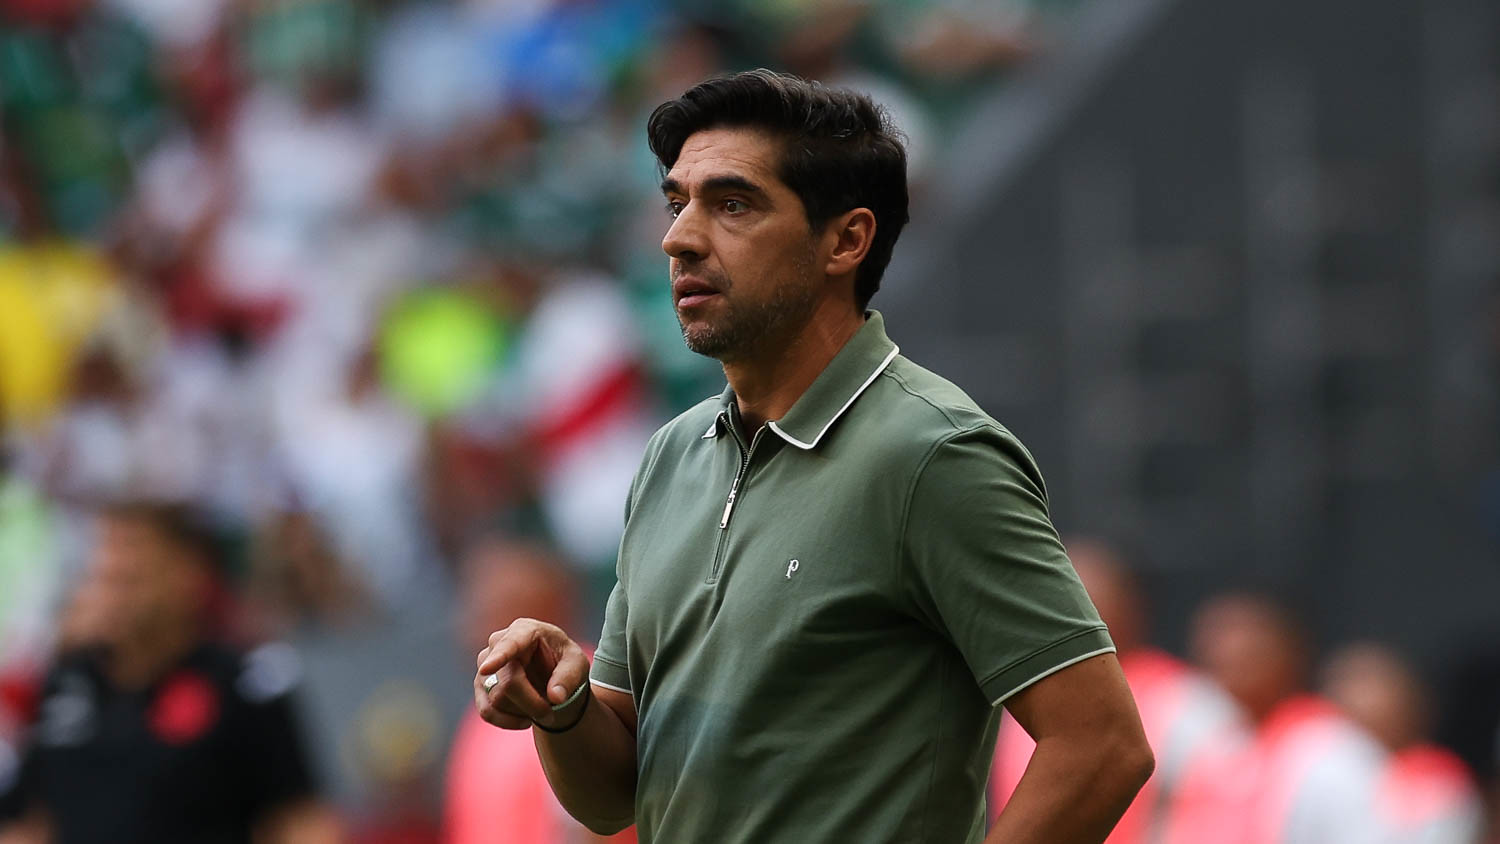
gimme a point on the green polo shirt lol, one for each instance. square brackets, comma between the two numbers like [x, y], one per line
[819, 621]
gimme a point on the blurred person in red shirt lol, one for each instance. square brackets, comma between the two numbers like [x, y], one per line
[149, 730]
[1427, 795]
[1187, 718]
[1310, 775]
[497, 792]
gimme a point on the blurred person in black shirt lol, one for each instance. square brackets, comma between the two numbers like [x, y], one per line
[150, 730]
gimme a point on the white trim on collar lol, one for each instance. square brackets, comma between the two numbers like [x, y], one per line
[713, 429]
[868, 381]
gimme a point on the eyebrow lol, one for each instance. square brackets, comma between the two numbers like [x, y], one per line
[716, 184]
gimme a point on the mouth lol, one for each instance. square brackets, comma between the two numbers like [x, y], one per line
[689, 292]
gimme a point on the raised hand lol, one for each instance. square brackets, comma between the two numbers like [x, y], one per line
[535, 666]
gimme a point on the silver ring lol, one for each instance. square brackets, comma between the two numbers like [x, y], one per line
[491, 682]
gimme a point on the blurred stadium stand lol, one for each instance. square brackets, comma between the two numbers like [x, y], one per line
[1230, 271]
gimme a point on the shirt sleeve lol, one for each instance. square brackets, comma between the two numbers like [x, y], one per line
[17, 776]
[277, 769]
[985, 567]
[610, 669]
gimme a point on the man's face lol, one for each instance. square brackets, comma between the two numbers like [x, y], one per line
[139, 580]
[1247, 652]
[743, 258]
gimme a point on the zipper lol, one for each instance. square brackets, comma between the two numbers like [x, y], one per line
[734, 492]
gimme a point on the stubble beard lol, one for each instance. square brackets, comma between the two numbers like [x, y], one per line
[745, 328]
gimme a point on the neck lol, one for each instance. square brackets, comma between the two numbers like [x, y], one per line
[766, 385]
[138, 663]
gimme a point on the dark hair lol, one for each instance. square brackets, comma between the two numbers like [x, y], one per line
[841, 151]
[181, 525]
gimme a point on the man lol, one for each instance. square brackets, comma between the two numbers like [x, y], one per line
[148, 731]
[1190, 722]
[1310, 775]
[833, 573]
[1427, 795]
[496, 773]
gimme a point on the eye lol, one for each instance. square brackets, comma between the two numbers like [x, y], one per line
[735, 206]
[674, 208]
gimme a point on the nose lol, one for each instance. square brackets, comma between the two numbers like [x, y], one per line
[686, 239]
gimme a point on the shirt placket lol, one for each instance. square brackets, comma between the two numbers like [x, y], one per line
[736, 493]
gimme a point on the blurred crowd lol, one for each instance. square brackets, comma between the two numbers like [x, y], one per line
[367, 279]
[375, 287]
[160, 720]
[1261, 737]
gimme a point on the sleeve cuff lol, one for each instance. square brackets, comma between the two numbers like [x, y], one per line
[1047, 661]
[610, 674]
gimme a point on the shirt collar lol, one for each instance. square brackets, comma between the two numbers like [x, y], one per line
[852, 370]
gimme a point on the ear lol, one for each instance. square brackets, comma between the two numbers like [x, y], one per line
[849, 236]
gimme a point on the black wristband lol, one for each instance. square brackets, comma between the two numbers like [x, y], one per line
[588, 695]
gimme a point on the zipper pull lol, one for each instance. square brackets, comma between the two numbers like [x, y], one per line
[729, 504]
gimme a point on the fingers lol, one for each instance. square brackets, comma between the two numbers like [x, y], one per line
[505, 646]
[495, 707]
[534, 665]
[490, 710]
[522, 637]
[517, 693]
[503, 720]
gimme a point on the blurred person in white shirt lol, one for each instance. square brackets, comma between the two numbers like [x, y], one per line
[1311, 775]
[1428, 795]
[1189, 721]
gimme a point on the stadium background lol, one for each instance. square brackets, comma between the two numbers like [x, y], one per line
[371, 281]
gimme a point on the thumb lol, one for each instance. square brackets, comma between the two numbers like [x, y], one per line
[571, 672]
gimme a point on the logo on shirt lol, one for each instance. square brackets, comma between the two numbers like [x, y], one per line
[67, 715]
[791, 568]
[270, 671]
[186, 707]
